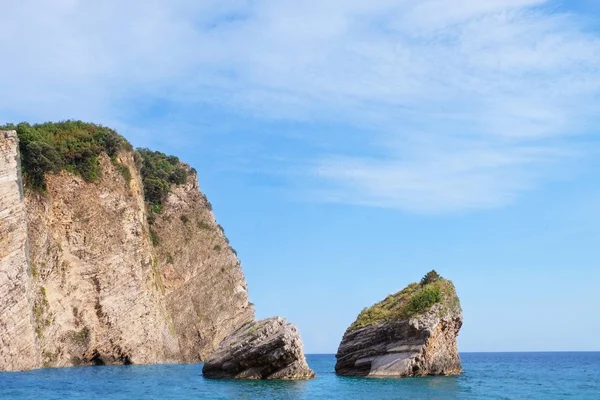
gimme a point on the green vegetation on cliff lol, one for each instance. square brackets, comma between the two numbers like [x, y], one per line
[416, 298]
[69, 145]
[76, 146]
[159, 171]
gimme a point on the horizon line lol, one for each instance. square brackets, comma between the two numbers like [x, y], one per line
[492, 352]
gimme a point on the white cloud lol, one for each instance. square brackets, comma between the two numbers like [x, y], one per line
[466, 103]
[437, 179]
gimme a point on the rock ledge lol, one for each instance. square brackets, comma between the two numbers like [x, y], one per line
[266, 349]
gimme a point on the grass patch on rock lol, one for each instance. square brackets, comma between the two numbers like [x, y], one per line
[415, 299]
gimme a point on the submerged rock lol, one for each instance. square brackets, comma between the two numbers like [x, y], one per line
[266, 349]
[410, 333]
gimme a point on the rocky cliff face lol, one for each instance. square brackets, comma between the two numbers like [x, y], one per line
[411, 333]
[101, 285]
[18, 347]
[206, 293]
[266, 349]
[98, 288]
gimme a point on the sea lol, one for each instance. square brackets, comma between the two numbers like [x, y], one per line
[488, 376]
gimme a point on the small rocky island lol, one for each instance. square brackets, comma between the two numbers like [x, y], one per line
[266, 349]
[410, 333]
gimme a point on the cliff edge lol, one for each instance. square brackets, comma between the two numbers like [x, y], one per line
[18, 347]
[410, 333]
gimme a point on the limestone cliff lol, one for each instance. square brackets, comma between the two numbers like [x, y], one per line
[206, 293]
[410, 333]
[102, 286]
[18, 347]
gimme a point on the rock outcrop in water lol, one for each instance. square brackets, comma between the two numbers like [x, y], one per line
[266, 349]
[85, 279]
[410, 333]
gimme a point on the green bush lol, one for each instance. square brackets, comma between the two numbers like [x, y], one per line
[173, 160]
[8, 127]
[71, 145]
[178, 176]
[422, 300]
[39, 158]
[156, 190]
[156, 208]
[159, 171]
[75, 146]
[430, 277]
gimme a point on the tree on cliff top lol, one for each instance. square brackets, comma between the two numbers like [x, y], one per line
[430, 277]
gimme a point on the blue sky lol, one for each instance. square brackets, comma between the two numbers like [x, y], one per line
[348, 147]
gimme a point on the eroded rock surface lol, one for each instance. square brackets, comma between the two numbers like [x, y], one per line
[266, 349]
[85, 280]
[18, 348]
[205, 289]
[97, 287]
[386, 342]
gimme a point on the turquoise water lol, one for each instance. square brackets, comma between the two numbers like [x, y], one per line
[487, 376]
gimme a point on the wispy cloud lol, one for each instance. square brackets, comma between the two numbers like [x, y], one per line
[459, 105]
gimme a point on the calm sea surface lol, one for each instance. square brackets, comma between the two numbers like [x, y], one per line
[487, 376]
